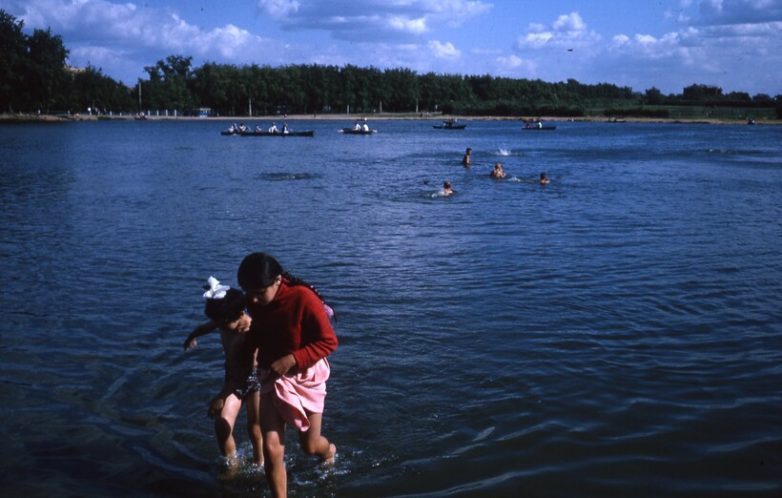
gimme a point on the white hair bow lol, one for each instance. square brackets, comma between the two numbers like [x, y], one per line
[214, 290]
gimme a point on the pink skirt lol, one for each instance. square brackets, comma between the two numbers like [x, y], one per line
[295, 395]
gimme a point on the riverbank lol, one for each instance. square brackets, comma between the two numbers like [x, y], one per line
[62, 118]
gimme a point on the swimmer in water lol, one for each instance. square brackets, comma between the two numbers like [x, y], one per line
[544, 179]
[467, 159]
[447, 189]
[498, 172]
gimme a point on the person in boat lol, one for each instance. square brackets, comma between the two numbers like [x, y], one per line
[292, 334]
[498, 172]
[365, 126]
[357, 126]
[232, 129]
[467, 159]
[447, 189]
[242, 128]
[273, 128]
[225, 309]
[285, 128]
[258, 128]
[544, 179]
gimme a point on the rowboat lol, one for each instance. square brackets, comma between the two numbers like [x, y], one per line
[353, 131]
[305, 133]
[537, 127]
[449, 125]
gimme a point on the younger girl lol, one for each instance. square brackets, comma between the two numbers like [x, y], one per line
[225, 310]
[293, 336]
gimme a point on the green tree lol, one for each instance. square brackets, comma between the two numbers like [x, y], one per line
[167, 87]
[13, 48]
[91, 88]
[44, 74]
[653, 96]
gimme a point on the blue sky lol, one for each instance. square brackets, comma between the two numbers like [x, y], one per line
[667, 44]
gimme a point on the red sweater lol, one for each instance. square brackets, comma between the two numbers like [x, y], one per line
[295, 322]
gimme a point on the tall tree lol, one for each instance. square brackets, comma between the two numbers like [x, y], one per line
[45, 75]
[13, 48]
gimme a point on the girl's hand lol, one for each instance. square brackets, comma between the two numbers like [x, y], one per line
[215, 407]
[284, 364]
[190, 343]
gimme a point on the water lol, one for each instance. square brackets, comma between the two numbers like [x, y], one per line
[614, 333]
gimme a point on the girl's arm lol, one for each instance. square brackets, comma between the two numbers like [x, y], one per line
[318, 337]
[202, 329]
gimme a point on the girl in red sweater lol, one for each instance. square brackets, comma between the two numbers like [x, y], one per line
[292, 333]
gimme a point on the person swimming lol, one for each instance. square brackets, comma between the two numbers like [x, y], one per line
[544, 179]
[467, 159]
[498, 172]
[447, 189]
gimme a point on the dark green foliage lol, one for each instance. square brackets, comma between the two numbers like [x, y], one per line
[13, 52]
[34, 76]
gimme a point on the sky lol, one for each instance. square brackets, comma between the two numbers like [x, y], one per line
[665, 44]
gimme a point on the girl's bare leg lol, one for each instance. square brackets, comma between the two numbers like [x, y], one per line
[273, 427]
[314, 443]
[224, 425]
[254, 425]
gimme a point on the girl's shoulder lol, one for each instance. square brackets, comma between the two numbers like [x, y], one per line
[301, 291]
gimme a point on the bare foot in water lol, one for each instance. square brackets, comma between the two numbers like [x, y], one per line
[331, 455]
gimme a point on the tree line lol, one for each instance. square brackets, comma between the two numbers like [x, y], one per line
[35, 77]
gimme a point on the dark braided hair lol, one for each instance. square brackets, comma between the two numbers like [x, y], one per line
[258, 270]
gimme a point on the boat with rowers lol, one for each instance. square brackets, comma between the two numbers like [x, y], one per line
[272, 131]
[359, 128]
[289, 133]
[449, 124]
[537, 125]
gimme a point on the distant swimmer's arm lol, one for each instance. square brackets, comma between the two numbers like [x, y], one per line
[202, 329]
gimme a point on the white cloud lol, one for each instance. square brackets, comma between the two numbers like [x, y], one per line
[515, 65]
[721, 43]
[567, 31]
[444, 50]
[415, 26]
[129, 37]
[738, 11]
[373, 20]
[279, 8]
[570, 23]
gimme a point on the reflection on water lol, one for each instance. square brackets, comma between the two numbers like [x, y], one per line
[613, 333]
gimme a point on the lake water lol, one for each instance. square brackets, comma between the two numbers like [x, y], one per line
[615, 333]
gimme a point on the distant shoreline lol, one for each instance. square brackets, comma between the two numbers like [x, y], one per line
[51, 118]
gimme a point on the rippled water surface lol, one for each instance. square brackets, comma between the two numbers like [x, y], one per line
[615, 333]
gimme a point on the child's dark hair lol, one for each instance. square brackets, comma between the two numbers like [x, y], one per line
[228, 309]
[258, 270]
